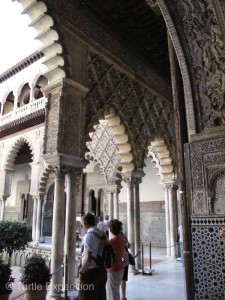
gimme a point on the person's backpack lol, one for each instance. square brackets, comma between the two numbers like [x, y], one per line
[105, 257]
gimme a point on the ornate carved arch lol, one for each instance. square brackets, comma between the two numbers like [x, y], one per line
[182, 63]
[13, 152]
[217, 188]
[161, 156]
[202, 25]
[44, 178]
[52, 61]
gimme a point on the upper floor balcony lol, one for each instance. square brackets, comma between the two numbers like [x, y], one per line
[25, 110]
[22, 103]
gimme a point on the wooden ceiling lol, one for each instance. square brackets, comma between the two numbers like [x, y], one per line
[139, 25]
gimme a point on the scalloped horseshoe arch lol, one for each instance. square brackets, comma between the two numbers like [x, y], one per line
[121, 138]
[161, 156]
[42, 23]
[13, 152]
[44, 179]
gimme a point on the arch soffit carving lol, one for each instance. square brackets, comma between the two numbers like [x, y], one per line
[182, 63]
[52, 61]
[162, 158]
[110, 118]
[13, 152]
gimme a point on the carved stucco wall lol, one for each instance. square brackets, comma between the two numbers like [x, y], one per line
[145, 113]
[200, 26]
[207, 161]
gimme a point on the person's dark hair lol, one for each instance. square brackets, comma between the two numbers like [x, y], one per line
[88, 220]
[115, 226]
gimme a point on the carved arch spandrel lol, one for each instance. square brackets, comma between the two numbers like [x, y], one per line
[108, 144]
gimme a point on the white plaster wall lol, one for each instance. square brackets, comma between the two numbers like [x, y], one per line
[21, 173]
[150, 188]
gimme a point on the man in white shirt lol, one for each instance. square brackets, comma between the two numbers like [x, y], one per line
[92, 277]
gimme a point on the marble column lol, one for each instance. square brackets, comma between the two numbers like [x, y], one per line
[89, 208]
[168, 250]
[110, 199]
[116, 204]
[130, 213]
[34, 221]
[39, 218]
[137, 222]
[110, 208]
[172, 217]
[2, 216]
[70, 229]
[58, 225]
[175, 189]
[15, 102]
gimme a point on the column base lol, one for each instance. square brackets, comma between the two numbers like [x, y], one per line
[134, 271]
[147, 271]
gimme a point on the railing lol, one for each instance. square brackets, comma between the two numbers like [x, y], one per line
[25, 110]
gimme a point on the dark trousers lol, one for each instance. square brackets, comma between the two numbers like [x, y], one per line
[93, 283]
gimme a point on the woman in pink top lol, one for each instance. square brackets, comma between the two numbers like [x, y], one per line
[115, 273]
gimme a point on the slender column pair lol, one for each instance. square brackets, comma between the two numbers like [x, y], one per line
[64, 221]
[37, 217]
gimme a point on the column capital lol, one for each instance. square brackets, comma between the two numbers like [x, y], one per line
[138, 174]
[134, 176]
[111, 188]
[77, 85]
[64, 161]
[34, 164]
[8, 170]
[3, 197]
[38, 196]
[59, 173]
[168, 185]
[73, 173]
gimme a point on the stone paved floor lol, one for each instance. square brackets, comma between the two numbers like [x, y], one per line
[166, 282]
